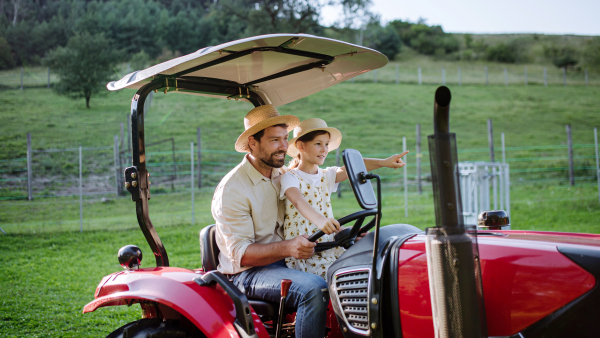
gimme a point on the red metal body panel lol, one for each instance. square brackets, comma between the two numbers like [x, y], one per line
[209, 308]
[332, 323]
[525, 278]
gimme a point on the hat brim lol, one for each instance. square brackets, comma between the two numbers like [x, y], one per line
[241, 145]
[334, 141]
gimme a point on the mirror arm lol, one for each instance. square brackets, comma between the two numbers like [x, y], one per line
[377, 225]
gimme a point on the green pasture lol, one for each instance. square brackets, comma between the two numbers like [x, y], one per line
[48, 277]
[372, 117]
[51, 269]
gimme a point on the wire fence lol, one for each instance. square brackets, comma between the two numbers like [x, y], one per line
[393, 72]
[94, 174]
[479, 74]
[55, 172]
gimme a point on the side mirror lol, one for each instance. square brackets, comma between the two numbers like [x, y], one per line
[363, 190]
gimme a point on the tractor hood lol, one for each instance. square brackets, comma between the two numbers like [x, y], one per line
[278, 68]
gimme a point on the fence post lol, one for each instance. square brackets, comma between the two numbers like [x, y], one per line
[459, 77]
[491, 140]
[21, 78]
[192, 177]
[29, 172]
[505, 76]
[174, 176]
[526, 75]
[117, 166]
[199, 139]
[545, 78]
[486, 76]
[570, 146]
[597, 160]
[375, 76]
[564, 76]
[405, 179]
[419, 156]
[443, 76]
[128, 134]
[80, 193]
[397, 74]
[503, 148]
[420, 77]
[337, 163]
[586, 78]
[48, 77]
[122, 144]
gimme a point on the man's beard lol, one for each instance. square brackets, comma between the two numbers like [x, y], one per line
[273, 162]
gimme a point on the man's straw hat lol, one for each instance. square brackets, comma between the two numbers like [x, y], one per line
[309, 125]
[261, 118]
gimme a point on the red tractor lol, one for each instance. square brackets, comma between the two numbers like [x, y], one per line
[398, 281]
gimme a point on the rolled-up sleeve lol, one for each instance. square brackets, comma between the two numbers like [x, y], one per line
[235, 229]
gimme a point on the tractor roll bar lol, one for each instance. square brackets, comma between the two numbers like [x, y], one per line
[140, 192]
[136, 176]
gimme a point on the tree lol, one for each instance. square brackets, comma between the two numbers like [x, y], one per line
[6, 59]
[383, 39]
[468, 40]
[502, 53]
[561, 57]
[84, 66]
[592, 54]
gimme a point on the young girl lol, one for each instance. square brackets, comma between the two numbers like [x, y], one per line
[308, 189]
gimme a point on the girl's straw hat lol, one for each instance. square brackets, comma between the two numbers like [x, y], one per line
[309, 125]
[261, 118]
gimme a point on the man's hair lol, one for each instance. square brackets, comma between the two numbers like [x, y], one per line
[260, 134]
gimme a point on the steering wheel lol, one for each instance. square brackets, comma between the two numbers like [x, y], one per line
[346, 237]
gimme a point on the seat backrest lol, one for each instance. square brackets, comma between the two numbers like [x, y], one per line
[208, 248]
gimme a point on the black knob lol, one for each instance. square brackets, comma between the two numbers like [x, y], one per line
[130, 257]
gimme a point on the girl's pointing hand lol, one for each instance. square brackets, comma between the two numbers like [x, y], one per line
[395, 161]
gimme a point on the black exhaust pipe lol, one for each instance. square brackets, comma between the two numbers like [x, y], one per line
[455, 290]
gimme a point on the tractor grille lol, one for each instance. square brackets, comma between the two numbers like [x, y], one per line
[352, 291]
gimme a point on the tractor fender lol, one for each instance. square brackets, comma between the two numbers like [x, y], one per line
[207, 307]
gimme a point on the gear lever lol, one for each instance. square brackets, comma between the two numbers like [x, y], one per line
[285, 288]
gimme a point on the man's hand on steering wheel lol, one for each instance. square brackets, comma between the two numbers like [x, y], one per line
[301, 248]
[361, 236]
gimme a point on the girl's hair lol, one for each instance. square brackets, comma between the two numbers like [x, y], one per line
[305, 138]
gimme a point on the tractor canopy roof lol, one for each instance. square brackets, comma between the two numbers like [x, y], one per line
[273, 69]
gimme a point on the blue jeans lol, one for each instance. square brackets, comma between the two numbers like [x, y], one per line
[264, 282]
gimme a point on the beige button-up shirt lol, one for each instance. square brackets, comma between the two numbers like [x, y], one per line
[247, 210]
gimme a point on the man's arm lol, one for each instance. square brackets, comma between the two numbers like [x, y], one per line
[231, 212]
[265, 254]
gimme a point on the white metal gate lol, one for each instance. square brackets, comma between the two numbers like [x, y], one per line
[483, 186]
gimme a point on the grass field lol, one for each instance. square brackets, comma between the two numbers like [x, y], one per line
[371, 116]
[51, 274]
[48, 277]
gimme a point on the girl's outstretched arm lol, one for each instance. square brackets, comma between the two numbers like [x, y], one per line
[327, 225]
[394, 161]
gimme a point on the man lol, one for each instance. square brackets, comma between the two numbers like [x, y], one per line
[249, 221]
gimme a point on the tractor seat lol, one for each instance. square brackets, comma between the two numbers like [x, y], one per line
[210, 261]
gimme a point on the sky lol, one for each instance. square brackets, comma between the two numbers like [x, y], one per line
[579, 17]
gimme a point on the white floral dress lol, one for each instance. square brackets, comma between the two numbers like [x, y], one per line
[319, 197]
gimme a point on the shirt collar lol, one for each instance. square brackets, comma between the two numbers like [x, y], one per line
[255, 175]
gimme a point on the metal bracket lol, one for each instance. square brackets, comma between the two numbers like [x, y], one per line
[132, 182]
